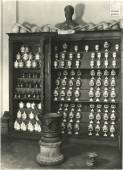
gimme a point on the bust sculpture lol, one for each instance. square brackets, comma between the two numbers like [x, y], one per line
[69, 23]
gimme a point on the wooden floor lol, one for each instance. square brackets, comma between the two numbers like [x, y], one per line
[21, 154]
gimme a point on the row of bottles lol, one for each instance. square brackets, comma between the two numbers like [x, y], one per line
[108, 60]
[30, 75]
[28, 86]
[71, 118]
[27, 94]
[26, 59]
[64, 86]
[27, 125]
[95, 47]
[65, 59]
[108, 93]
[102, 119]
[27, 117]
[28, 83]
[30, 105]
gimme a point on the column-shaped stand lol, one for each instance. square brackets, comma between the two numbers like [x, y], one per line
[50, 143]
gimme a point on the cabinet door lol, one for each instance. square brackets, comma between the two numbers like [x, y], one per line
[26, 75]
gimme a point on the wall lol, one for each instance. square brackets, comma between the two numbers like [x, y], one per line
[40, 13]
[8, 19]
[52, 12]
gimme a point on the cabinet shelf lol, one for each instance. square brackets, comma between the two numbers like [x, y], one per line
[28, 89]
[96, 102]
[32, 79]
[28, 69]
[73, 68]
[27, 99]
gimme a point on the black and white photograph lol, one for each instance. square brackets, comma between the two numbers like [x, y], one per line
[61, 84]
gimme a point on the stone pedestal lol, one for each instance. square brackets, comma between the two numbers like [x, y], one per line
[49, 154]
[50, 143]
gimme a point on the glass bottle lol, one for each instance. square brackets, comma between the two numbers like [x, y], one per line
[90, 129]
[25, 56]
[20, 64]
[97, 47]
[98, 60]
[86, 48]
[97, 129]
[99, 73]
[106, 116]
[63, 127]
[105, 94]
[19, 115]
[117, 46]
[97, 94]
[92, 60]
[113, 94]
[114, 59]
[69, 94]
[98, 115]
[23, 126]
[91, 114]
[91, 93]
[55, 94]
[106, 45]
[112, 131]
[18, 56]
[71, 116]
[76, 129]
[76, 48]
[105, 129]
[106, 82]
[69, 128]
[60, 110]
[16, 125]
[22, 49]
[56, 61]
[24, 115]
[21, 105]
[64, 116]
[78, 113]
[91, 83]
[62, 94]
[77, 94]
[92, 73]
[16, 64]
[98, 82]
[31, 115]
[77, 62]
[113, 82]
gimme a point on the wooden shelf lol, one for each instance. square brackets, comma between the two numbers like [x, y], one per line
[73, 68]
[100, 102]
[29, 99]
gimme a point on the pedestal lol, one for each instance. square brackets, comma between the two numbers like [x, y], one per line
[50, 143]
[50, 153]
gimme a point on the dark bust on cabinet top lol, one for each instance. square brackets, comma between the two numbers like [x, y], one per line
[69, 23]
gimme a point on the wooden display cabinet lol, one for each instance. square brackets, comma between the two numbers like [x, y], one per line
[80, 78]
[26, 83]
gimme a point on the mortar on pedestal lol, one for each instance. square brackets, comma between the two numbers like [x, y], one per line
[50, 143]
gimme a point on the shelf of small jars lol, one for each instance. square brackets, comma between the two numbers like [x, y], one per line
[86, 101]
[31, 79]
[83, 132]
[37, 69]
[87, 68]
[28, 89]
